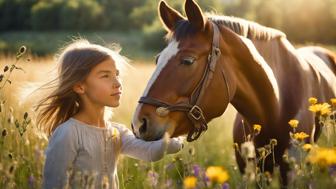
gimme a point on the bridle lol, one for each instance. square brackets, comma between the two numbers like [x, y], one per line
[193, 110]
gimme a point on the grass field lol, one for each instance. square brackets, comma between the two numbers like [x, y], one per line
[22, 158]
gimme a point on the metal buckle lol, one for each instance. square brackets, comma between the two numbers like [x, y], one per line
[217, 51]
[196, 112]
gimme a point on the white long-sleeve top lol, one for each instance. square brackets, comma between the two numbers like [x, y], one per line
[76, 148]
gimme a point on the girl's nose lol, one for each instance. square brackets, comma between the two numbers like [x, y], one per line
[117, 84]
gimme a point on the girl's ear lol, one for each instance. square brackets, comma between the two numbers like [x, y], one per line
[78, 88]
[169, 16]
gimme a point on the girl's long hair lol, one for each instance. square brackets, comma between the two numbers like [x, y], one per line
[74, 64]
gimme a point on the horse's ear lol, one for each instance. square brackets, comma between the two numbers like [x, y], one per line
[194, 14]
[169, 16]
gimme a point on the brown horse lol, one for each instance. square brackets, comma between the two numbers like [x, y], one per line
[216, 60]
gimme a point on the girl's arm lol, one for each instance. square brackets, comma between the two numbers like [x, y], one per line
[60, 154]
[147, 150]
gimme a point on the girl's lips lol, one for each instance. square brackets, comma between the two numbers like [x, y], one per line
[115, 94]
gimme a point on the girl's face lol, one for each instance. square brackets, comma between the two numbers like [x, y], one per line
[102, 86]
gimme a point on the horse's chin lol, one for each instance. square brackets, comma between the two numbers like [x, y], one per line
[158, 136]
[168, 129]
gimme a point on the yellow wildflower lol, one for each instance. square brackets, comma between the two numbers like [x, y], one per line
[312, 100]
[293, 123]
[217, 174]
[333, 101]
[189, 182]
[323, 156]
[307, 147]
[322, 109]
[315, 108]
[300, 136]
[257, 128]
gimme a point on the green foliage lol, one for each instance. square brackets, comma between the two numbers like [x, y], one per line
[301, 20]
[117, 13]
[154, 36]
[143, 15]
[45, 15]
[81, 15]
[15, 14]
[72, 14]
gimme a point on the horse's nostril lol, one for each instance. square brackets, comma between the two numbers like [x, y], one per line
[143, 127]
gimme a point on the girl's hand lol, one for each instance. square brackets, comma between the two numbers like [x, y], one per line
[173, 144]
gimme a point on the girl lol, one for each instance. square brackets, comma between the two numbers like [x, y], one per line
[73, 114]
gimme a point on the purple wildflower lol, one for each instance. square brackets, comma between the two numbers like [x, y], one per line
[169, 183]
[152, 178]
[225, 186]
[196, 169]
[332, 170]
[31, 181]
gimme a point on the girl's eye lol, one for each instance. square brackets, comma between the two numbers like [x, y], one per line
[105, 76]
[188, 60]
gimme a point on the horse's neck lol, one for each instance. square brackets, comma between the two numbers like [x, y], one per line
[290, 71]
[257, 92]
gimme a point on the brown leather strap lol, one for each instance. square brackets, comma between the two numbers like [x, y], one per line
[158, 103]
[210, 68]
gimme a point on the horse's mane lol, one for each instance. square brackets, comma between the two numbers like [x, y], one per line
[247, 28]
[240, 26]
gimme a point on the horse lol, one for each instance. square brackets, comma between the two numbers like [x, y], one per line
[211, 61]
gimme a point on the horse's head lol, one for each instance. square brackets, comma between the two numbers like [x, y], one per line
[188, 87]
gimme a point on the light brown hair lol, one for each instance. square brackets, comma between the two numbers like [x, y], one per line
[74, 64]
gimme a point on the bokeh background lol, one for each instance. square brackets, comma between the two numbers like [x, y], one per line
[45, 26]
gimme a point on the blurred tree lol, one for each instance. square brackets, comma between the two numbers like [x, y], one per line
[307, 20]
[81, 15]
[67, 14]
[269, 13]
[301, 20]
[45, 15]
[242, 8]
[15, 14]
[116, 13]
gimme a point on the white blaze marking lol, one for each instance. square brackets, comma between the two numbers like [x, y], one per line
[169, 52]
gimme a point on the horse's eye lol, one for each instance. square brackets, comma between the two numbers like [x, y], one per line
[188, 61]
